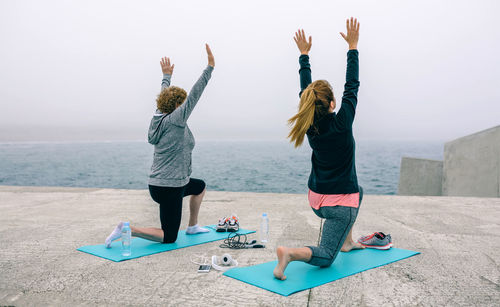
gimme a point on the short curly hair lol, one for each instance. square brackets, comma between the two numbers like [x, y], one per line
[170, 98]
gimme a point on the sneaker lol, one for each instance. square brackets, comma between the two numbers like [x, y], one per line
[233, 224]
[222, 225]
[377, 240]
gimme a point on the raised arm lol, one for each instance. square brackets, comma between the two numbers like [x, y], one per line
[167, 71]
[305, 68]
[350, 96]
[181, 114]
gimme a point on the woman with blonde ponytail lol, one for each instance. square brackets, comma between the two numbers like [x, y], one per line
[334, 193]
[314, 105]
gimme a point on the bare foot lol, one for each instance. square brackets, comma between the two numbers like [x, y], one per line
[283, 260]
[350, 245]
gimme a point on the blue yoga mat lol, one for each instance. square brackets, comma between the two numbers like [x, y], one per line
[141, 247]
[302, 276]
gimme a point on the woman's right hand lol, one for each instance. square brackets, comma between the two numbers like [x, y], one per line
[352, 36]
[303, 45]
[211, 60]
[166, 68]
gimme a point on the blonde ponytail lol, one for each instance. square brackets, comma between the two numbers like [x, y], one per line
[304, 118]
[314, 105]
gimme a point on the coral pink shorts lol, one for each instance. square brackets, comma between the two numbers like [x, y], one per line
[328, 200]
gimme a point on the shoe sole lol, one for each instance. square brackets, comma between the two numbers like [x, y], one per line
[221, 230]
[233, 228]
[387, 246]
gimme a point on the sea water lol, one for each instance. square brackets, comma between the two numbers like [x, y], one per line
[251, 166]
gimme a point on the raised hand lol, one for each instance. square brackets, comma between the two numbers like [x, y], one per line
[166, 68]
[211, 60]
[303, 45]
[352, 36]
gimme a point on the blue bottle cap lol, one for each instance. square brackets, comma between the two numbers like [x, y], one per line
[264, 214]
[126, 224]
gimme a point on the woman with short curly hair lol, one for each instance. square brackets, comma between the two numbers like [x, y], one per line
[169, 179]
[170, 98]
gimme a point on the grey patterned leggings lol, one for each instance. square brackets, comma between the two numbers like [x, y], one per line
[338, 222]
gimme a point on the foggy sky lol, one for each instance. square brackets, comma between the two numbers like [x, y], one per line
[89, 70]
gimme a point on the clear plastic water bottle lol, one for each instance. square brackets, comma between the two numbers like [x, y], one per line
[264, 228]
[126, 237]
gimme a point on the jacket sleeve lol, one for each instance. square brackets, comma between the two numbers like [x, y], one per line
[347, 110]
[180, 115]
[165, 82]
[304, 72]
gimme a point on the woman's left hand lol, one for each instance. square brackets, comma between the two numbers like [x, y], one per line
[211, 60]
[302, 43]
[166, 68]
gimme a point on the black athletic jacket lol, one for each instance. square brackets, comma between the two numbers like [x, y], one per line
[333, 168]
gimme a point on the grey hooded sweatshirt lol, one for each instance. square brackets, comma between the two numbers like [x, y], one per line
[173, 141]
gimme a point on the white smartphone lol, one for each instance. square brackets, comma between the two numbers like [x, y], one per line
[204, 268]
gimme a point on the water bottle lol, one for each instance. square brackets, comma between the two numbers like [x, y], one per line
[126, 237]
[264, 228]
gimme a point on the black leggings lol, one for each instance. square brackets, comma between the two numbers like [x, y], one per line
[170, 200]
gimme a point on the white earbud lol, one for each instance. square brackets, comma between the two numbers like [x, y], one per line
[224, 263]
[226, 259]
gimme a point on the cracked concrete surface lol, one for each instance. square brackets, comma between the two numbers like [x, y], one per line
[41, 227]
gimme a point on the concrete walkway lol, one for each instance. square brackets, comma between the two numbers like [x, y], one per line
[41, 227]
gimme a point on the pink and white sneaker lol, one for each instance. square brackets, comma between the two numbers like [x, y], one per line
[233, 224]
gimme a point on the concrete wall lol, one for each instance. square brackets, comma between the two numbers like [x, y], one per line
[472, 165]
[420, 177]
